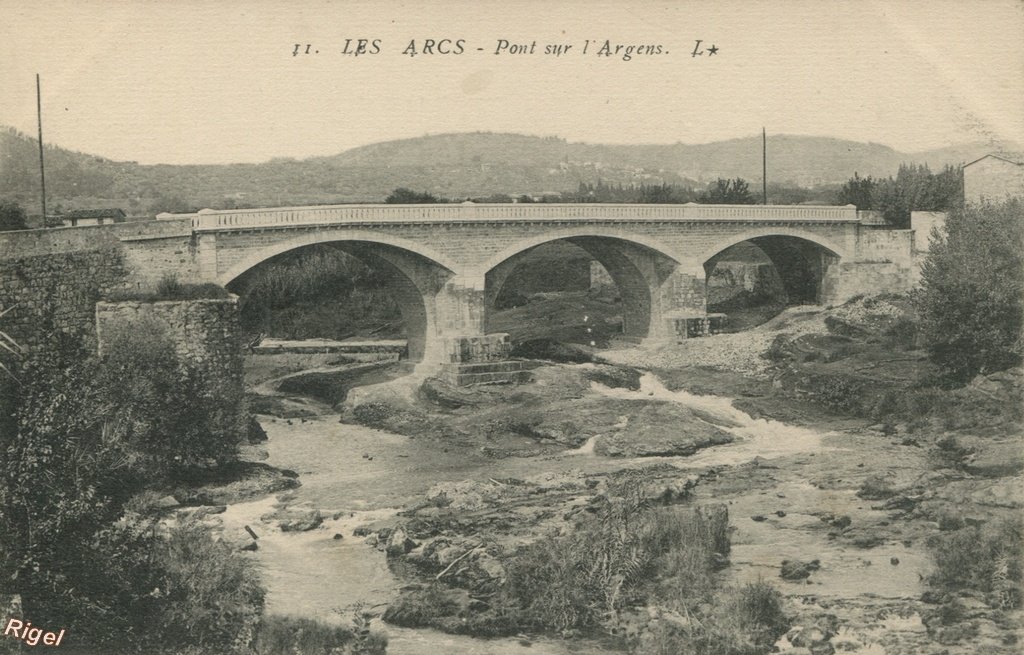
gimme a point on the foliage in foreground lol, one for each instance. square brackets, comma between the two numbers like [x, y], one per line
[86, 435]
[612, 561]
[171, 414]
[609, 573]
[285, 635]
[988, 558]
[972, 290]
[741, 621]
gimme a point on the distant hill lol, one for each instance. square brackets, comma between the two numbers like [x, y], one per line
[449, 165]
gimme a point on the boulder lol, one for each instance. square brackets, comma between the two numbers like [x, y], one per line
[295, 520]
[797, 570]
[399, 542]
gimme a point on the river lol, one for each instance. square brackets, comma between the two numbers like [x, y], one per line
[357, 475]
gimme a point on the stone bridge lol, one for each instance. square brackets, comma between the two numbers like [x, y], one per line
[446, 263]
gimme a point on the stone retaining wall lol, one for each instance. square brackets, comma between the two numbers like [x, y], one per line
[206, 332]
[56, 293]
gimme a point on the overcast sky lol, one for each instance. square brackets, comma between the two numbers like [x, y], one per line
[212, 82]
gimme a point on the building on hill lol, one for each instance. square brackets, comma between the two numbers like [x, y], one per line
[994, 177]
[93, 217]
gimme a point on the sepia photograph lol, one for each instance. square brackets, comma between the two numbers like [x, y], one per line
[565, 327]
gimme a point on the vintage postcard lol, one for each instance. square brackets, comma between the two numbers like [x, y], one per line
[502, 328]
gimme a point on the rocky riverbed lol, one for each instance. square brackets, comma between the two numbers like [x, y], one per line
[407, 486]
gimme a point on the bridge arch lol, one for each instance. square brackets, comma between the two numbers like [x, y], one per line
[256, 257]
[801, 260]
[413, 279]
[834, 247]
[639, 266]
[591, 231]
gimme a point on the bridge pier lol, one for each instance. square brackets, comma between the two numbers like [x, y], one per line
[463, 353]
[682, 296]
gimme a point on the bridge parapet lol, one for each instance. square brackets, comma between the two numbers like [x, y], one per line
[213, 220]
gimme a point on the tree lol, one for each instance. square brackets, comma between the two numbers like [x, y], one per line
[915, 188]
[972, 287]
[858, 191]
[403, 196]
[728, 192]
[12, 216]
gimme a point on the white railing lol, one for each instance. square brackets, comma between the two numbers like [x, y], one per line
[209, 219]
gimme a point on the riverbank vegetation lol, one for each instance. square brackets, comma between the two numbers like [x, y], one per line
[633, 571]
[90, 448]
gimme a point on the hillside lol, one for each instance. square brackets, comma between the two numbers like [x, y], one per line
[448, 165]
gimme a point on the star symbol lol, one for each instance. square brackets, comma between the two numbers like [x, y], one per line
[712, 50]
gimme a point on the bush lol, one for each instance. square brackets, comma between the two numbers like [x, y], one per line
[744, 621]
[63, 471]
[136, 586]
[12, 216]
[171, 414]
[988, 559]
[286, 635]
[374, 415]
[581, 579]
[972, 290]
[205, 594]
[87, 436]
[170, 288]
[318, 291]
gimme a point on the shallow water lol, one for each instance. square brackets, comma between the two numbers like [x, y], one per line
[754, 437]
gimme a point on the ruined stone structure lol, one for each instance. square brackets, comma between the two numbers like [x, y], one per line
[447, 263]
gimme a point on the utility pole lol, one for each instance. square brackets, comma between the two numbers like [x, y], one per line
[764, 166]
[42, 169]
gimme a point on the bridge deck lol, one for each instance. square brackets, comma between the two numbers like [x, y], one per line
[209, 219]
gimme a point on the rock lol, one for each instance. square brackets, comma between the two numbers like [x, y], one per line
[762, 463]
[867, 539]
[758, 518]
[399, 542]
[249, 546]
[797, 570]
[166, 502]
[338, 536]
[841, 522]
[823, 648]
[996, 459]
[442, 394]
[656, 429]
[614, 376]
[254, 432]
[295, 520]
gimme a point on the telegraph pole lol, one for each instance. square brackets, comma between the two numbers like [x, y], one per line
[764, 166]
[42, 169]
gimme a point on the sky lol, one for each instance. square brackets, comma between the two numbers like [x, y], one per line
[218, 82]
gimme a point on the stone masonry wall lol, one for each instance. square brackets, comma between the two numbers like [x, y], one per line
[206, 332]
[57, 293]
